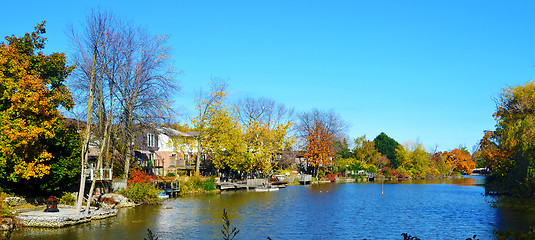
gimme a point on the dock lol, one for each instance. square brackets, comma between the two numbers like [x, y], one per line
[304, 179]
[171, 188]
[224, 186]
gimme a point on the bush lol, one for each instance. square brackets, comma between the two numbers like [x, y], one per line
[138, 176]
[209, 185]
[67, 199]
[171, 174]
[372, 169]
[142, 193]
[331, 177]
[197, 184]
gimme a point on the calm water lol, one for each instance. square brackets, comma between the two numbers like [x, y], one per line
[443, 209]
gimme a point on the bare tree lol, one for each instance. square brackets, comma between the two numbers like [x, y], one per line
[333, 123]
[119, 63]
[145, 84]
[90, 49]
[263, 110]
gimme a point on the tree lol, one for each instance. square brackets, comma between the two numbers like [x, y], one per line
[207, 105]
[145, 84]
[510, 149]
[224, 139]
[267, 127]
[412, 159]
[124, 64]
[319, 130]
[64, 166]
[496, 159]
[89, 57]
[342, 149]
[387, 146]
[319, 146]
[459, 160]
[31, 91]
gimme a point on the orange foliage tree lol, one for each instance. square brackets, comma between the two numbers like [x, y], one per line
[319, 130]
[319, 146]
[31, 90]
[497, 159]
[459, 160]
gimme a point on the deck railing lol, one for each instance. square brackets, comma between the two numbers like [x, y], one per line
[101, 174]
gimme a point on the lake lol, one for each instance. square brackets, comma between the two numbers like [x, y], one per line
[428, 209]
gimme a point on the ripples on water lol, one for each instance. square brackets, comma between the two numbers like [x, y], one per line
[430, 209]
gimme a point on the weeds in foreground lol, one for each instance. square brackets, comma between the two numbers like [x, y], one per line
[409, 237]
[150, 236]
[228, 234]
[7, 235]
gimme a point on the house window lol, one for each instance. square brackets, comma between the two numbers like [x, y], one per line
[150, 140]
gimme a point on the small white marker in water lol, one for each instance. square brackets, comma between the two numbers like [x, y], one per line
[382, 186]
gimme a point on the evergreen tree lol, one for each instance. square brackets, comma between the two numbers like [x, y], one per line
[387, 146]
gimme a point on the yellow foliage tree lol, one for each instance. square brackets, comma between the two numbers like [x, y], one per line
[31, 90]
[263, 143]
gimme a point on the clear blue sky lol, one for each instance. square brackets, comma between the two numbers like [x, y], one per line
[416, 70]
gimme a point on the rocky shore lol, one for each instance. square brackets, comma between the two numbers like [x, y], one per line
[65, 217]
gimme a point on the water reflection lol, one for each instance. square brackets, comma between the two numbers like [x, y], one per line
[429, 209]
[463, 181]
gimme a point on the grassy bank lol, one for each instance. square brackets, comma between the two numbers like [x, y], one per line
[197, 185]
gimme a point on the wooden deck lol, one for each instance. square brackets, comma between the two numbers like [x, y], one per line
[305, 179]
[170, 188]
[232, 186]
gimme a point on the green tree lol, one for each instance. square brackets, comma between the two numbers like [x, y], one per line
[31, 91]
[387, 146]
[514, 139]
[342, 149]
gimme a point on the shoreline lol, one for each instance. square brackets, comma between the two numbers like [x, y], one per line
[36, 217]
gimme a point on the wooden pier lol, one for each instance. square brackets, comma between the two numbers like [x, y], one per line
[224, 186]
[170, 188]
[304, 179]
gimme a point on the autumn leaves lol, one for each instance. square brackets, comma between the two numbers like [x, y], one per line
[31, 90]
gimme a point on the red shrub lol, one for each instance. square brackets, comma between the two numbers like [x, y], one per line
[137, 176]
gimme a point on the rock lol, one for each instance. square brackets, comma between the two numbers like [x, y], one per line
[6, 224]
[15, 201]
[113, 200]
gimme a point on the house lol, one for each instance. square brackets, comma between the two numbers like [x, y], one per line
[177, 150]
[165, 150]
[145, 151]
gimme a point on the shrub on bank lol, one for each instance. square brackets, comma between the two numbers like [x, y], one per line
[142, 192]
[171, 174]
[197, 184]
[67, 199]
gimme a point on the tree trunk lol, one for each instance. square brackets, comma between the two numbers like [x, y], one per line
[102, 152]
[199, 155]
[85, 147]
[129, 149]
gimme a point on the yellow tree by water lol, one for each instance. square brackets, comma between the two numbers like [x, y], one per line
[31, 90]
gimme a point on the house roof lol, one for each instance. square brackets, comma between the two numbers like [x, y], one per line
[175, 133]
